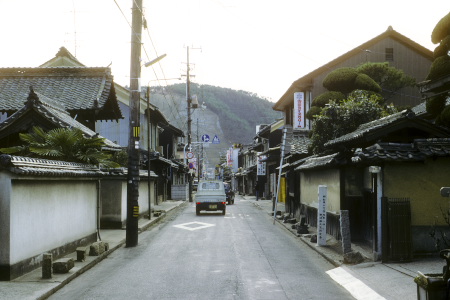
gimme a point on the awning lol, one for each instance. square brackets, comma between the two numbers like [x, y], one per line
[283, 166]
[277, 125]
[165, 161]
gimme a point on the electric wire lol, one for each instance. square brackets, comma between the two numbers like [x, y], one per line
[148, 57]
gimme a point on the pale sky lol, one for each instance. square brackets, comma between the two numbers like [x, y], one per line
[253, 45]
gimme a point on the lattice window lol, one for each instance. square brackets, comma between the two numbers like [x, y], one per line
[389, 54]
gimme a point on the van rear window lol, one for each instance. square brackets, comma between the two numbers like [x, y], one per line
[210, 186]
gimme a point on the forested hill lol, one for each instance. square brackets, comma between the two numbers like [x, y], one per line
[238, 112]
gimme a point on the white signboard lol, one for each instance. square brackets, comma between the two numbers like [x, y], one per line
[230, 157]
[261, 165]
[322, 216]
[299, 110]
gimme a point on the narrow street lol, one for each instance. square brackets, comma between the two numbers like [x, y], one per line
[241, 255]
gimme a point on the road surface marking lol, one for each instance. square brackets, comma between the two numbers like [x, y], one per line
[194, 225]
[355, 286]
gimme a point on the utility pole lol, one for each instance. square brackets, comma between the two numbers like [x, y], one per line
[134, 127]
[189, 119]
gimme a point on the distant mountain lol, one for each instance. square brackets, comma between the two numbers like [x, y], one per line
[238, 112]
[230, 115]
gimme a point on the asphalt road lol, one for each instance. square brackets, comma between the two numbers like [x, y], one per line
[241, 255]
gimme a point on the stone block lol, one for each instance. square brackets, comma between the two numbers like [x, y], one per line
[82, 253]
[47, 266]
[63, 265]
[353, 257]
[345, 231]
[97, 248]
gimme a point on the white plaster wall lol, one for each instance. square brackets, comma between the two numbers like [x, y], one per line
[143, 196]
[5, 192]
[309, 183]
[50, 214]
[124, 201]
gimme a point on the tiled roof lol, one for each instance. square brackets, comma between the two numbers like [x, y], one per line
[53, 112]
[372, 131]
[314, 162]
[32, 166]
[436, 86]
[370, 127]
[434, 147]
[418, 150]
[401, 152]
[421, 109]
[124, 172]
[299, 144]
[384, 152]
[76, 88]
[53, 168]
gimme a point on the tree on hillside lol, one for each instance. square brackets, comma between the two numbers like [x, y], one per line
[239, 112]
[339, 118]
[67, 144]
[440, 68]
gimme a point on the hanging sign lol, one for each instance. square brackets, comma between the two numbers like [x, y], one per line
[299, 110]
[261, 165]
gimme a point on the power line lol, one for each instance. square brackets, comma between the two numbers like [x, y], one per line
[146, 53]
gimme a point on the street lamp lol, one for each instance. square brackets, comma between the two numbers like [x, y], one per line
[152, 62]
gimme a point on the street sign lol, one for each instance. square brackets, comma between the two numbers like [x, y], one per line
[205, 138]
[216, 140]
[191, 165]
[189, 155]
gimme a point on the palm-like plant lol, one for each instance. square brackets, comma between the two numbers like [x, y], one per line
[68, 144]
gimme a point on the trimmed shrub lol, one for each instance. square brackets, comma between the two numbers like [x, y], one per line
[435, 105]
[364, 82]
[341, 80]
[441, 30]
[324, 98]
[444, 118]
[312, 112]
[439, 68]
[443, 48]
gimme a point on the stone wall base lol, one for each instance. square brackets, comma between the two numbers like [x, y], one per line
[10, 272]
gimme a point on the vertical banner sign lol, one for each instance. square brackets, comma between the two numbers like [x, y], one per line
[230, 157]
[322, 216]
[299, 110]
[261, 165]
